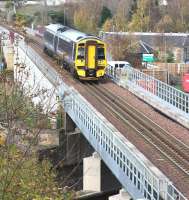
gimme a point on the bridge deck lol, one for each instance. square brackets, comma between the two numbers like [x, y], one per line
[82, 115]
[151, 153]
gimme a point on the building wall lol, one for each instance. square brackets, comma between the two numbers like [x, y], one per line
[163, 2]
[2, 5]
[186, 54]
[55, 2]
[178, 54]
[49, 2]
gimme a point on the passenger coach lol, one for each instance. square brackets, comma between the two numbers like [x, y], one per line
[84, 55]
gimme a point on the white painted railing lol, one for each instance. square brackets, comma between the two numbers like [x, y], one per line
[130, 77]
[132, 169]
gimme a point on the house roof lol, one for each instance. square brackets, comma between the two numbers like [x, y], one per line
[154, 40]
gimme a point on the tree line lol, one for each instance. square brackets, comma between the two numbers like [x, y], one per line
[129, 15]
[114, 15]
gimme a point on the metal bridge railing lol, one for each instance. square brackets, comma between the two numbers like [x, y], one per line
[165, 92]
[49, 73]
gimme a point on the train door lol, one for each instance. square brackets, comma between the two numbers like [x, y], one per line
[91, 56]
[55, 43]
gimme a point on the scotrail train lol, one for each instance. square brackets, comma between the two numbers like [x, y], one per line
[84, 55]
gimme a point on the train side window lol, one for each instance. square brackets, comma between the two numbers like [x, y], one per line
[48, 36]
[81, 53]
[100, 53]
[65, 46]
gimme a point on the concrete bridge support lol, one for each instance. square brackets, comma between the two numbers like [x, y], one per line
[123, 195]
[73, 145]
[96, 176]
[9, 57]
[69, 125]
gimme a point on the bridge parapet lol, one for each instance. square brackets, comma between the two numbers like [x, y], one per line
[171, 101]
[137, 174]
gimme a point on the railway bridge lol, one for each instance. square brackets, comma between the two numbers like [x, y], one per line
[137, 175]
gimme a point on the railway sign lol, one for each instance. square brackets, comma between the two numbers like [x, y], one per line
[147, 57]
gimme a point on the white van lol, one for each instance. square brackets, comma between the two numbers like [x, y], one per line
[118, 69]
[119, 64]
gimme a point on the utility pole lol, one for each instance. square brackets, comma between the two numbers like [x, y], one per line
[14, 6]
[45, 12]
[65, 21]
[64, 15]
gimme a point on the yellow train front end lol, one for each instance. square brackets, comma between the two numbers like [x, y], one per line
[90, 59]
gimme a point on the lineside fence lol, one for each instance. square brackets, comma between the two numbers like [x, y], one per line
[176, 69]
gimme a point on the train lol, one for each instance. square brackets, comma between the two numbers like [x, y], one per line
[82, 54]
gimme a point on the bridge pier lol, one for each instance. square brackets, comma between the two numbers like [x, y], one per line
[69, 124]
[123, 195]
[96, 176]
[8, 54]
[73, 145]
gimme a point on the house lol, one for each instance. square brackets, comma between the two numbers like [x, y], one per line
[3, 5]
[55, 2]
[177, 43]
[49, 2]
[163, 2]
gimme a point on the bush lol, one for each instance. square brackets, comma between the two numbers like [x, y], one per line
[170, 57]
[57, 17]
[24, 177]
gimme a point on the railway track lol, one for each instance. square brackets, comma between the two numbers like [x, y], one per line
[169, 146]
[172, 148]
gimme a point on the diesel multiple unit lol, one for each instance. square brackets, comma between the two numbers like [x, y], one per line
[84, 55]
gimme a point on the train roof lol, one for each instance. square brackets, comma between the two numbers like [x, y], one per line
[67, 33]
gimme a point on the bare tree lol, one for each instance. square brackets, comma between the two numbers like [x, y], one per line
[22, 175]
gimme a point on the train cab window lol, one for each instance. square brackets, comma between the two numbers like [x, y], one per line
[81, 53]
[100, 53]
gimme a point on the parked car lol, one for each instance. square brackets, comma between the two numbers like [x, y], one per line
[119, 64]
[117, 69]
